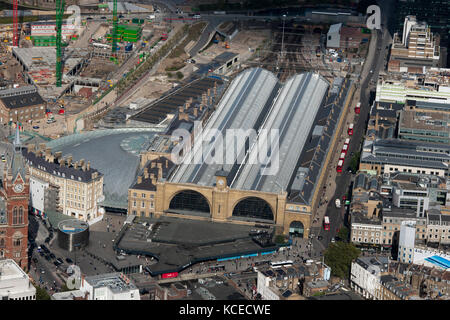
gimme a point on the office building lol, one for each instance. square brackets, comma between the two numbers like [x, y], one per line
[80, 187]
[110, 286]
[415, 48]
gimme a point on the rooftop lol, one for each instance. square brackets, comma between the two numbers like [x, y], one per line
[177, 243]
[430, 121]
[24, 100]
[9, 269]
[116, 282]
[157, 111]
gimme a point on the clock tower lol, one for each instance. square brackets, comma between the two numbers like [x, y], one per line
[14, 198]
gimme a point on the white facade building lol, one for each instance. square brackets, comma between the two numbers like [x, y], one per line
[37, 193]
[406, 241]
[110, 286]
[365, 276]
[264, 289]
[14, 282]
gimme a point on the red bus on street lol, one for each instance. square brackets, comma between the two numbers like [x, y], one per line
[342, 156]
[339, 166]
[347, 141]
[358, 108]
[350, 129]
[326, 223]
[345, 148]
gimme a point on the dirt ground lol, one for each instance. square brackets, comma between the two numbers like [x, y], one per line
[152, 89]
[98, 68]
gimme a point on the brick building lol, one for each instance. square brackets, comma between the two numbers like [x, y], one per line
[14, 196]
[21, 106]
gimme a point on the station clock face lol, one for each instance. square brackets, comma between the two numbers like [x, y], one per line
[220, 182]
[18, 188]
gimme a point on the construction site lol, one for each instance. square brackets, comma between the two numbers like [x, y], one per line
[119, 65]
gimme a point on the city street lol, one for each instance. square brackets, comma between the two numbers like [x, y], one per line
[375, 63]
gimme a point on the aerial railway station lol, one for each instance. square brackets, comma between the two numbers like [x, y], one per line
[307, 112]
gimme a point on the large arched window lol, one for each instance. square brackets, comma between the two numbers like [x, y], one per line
[2, 243]
[253, 208]
[20, 219]
[189, 201]
[14, 219]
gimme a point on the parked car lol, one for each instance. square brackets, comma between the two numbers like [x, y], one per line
[60, 261]
[69, 260]
[52, 256]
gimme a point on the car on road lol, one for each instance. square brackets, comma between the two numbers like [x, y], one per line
[52, 255]
[56, 263]
[47, 257]
[69, 260]
[3, 158]
[60, 260]
[47, 240]
[319, 237]
[35, 127]
[42, 271]
[89, 18]
[103, 18]
[42, 253]
[333, 240]
[338, 203]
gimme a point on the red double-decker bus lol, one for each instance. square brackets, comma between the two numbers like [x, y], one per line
[342, 156]
[350, 129]
[326, 223]
[345, 148]
[339, 166]
[358, 108]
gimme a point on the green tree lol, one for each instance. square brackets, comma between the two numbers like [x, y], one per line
[339, 257]
[354, 162]
[343, 233]
[179, 75]
[280, 239]
[41, 294]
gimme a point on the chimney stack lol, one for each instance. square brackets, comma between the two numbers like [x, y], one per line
[167, 163]
[88, 166]
[47, 153]
[58, 155]
[81, 162]
[62, 162]
[31, 147]
[139, 179]
[153, 164]
[41, 146]
[195, 112]
[145, 173]
[69, 161]
[75, 165]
